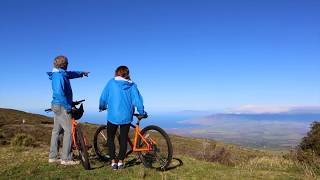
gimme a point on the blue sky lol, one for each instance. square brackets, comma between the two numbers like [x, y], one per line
[195, 55]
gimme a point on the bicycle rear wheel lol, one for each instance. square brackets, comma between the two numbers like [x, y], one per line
[82, 149]
[100, 143]
[161, 154]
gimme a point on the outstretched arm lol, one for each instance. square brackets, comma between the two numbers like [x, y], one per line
[77, 74]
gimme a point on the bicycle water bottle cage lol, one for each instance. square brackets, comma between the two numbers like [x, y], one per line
[77, 112]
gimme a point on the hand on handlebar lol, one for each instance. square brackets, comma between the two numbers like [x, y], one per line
[142, 116]
[100, 110]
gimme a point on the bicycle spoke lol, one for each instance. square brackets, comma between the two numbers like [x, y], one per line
[161, 149]
[104, 137]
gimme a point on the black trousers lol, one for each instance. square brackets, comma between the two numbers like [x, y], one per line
[111, 131]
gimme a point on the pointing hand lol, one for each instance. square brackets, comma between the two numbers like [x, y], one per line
[86, 73]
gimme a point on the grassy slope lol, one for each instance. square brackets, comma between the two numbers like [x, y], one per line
[191, 158]
[32, 163]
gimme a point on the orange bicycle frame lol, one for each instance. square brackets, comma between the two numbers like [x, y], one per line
[137, 133]
[73, 131]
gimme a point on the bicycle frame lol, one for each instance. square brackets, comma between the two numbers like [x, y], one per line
[137, 133]
[73, 130]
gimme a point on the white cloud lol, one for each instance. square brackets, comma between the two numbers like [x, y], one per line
[274, 109]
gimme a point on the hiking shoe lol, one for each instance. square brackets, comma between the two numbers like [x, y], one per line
[114, 166]
[121, 165]
[54, 160]
[70, 162]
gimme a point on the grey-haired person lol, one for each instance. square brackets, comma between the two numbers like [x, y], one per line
[61, 105]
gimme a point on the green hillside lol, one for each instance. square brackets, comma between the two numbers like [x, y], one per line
[194, 158]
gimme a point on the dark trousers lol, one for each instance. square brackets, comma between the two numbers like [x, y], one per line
[111, 131]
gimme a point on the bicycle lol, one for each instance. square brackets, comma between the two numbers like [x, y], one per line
[152, 144]
[80, 143]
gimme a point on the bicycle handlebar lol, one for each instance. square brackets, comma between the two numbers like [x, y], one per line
[48, 110]
[73, 104]
[78, 102]
[141, 116]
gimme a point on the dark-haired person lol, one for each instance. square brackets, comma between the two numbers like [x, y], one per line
[61, 105]
[120, 96]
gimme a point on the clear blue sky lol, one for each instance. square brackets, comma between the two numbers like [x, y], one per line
[195, 55]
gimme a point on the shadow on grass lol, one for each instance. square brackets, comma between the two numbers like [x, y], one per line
[98, 167]
[178, 164]
[93, 162]
[133, 162]
[175, 163]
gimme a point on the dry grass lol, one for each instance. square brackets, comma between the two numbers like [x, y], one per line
[268, 163]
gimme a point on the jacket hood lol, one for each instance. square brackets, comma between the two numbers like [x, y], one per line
[123, 83]
[54, 70]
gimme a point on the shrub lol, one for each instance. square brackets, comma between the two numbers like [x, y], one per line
[308, 151]
[223, 156]
[312, 141]
[210, 152]
[23, 140]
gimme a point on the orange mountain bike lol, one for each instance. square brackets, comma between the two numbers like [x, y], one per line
[80, 143]
[152, 144]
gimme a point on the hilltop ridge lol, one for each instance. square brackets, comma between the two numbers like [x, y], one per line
[194, 158]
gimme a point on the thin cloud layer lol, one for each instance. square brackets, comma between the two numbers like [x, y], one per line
[275, 109]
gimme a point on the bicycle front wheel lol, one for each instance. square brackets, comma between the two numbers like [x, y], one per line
[160, 155]
[82, 149]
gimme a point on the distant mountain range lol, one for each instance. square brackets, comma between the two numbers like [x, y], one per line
[288, 116]
[260, 130]
[253, 109]
[255, 113]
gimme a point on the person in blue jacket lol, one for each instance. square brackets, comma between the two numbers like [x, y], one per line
[120, 96]
[61, 105]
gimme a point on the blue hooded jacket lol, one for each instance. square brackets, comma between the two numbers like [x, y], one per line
[61, 88]
[120, 97]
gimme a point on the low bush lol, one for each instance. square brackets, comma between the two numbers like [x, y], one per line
[308, 151]
[312, 141]
[22, 139]
[212, 153]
